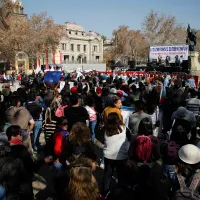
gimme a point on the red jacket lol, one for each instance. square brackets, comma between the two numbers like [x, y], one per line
[58, 140]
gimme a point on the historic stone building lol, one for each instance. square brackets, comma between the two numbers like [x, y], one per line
[80, 46]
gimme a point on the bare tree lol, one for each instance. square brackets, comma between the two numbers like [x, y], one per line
[127, 44]
[137, 45]
[120, 41]
[198, 42]
[43, 33]
[31, 35]
[160, 29]
[5, 13]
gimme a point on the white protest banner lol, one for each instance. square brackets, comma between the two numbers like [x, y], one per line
[171, 51]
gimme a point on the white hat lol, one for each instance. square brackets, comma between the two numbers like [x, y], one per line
[189, 154]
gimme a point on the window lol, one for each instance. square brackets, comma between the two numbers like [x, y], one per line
[82, 33]
[97, 58]
[72, 58]
[64, 46]
[66, 59]
[84, 48]
[76, 33]
[72, 47]
[95, 48]
[78, 47]
[70, 32]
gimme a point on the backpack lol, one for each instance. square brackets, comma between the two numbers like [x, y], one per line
[60, 111]
[185, 193]
[172, 149]
[34, 109]
[21, 118]
[39, 101]
[143, 148]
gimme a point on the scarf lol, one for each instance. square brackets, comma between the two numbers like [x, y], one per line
[63, 132]
[15, 142]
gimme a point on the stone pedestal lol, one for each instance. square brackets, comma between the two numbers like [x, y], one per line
[195, 66]
[194, 61]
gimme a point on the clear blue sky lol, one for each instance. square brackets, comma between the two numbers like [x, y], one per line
[103, 16]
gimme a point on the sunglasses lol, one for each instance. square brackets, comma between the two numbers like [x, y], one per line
[65, 124]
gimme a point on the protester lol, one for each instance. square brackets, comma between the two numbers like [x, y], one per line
[186, 171]
[49, 124]
[75, 113]
[137, 116]
[87, 130]
[116, 106]
[115, 150]
[60, 142]
[93, 116]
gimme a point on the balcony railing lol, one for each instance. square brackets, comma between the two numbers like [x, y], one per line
[87, 62]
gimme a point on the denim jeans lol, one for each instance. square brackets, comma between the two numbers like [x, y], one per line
[2, 193]
[37, 131]
[58, 166]
[169, 171]
[92, 128]
[110, 165]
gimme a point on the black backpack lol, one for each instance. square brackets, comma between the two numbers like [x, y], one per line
[34, 109]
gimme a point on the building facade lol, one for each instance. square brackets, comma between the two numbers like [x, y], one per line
[80, 46]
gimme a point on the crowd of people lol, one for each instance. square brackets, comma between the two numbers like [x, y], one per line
[146, 128]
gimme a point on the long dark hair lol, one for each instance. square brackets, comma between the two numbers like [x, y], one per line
[113, 124]
[145, 127]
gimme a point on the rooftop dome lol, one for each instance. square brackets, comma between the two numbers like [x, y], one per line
[73, 27]
[92, 33]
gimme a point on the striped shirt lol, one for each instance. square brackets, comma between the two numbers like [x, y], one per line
[193, 105]
[49, 129]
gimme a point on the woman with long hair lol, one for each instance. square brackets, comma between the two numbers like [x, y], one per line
[13, 179]
[115, 150]
[80, 139]
[77, 182]
[82, 183]
[57, 101]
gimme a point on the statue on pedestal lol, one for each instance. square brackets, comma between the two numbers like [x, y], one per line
[191, 38]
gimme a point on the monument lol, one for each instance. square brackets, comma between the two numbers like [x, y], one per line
[192, 41]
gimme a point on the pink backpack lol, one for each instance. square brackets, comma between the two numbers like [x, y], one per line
[60, 111]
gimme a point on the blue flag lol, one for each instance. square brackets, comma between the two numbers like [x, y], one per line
[52, 77]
